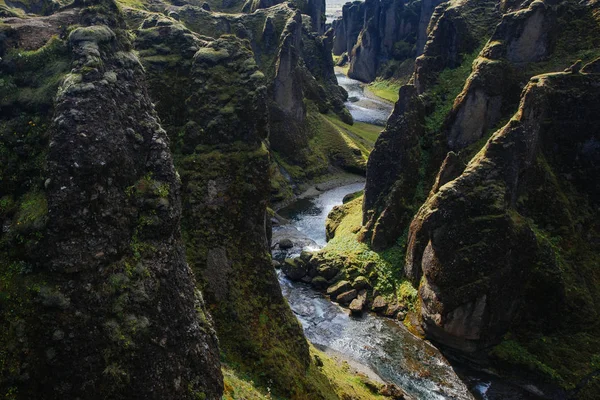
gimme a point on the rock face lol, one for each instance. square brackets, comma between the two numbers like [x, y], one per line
[392, 172]
[287, 87]
[375, 31]
[348, 27]
[427, 8]
[479, 247]
[97, 298]
[389, 32]
[504, 229]
[223, 160]
[522, 37]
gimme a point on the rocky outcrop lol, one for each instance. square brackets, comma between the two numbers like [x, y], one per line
[388, 32]
[222, 156]
[287, 86]
[480, 249]
[97, 298]
[392, 172]
[373, 32]
[400, 175]
[296, 61]
[457, 28]
[521, 38]
[427, 8]
[348, 27]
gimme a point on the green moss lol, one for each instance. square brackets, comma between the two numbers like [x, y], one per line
[32, 210]
[37, 75]
[450, 83]
[385, 269]
[513, 352]
[386, 89]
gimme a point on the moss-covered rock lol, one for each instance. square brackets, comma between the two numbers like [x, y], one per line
[493, 249]
[97, 298]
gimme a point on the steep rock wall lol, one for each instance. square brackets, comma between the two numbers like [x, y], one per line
[97, 298]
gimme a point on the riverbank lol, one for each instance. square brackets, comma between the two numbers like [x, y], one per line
[382, 344]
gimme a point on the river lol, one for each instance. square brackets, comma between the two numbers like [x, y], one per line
[362, 107]
[382, 345]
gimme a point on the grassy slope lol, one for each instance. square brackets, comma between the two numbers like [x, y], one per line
[334, 143]
[386, 89]
[383, 268]
[333, 374]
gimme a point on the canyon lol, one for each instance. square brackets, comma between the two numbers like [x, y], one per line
[208, 199]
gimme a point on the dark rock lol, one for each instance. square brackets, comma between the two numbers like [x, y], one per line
[379, 304]
[294, 269]
[340, 287]
[319, 283]
[395, 156]
[458, 308]
[116, 305]
[286, 244]
[346, 297]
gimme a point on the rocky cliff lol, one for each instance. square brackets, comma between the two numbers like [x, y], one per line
[97, 298]
[220, 149]
[475, 142]
[136, 138]
[373, 33]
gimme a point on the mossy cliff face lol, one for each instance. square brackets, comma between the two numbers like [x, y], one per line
[389, 191]
[508, 243]
[374, 32]
[220, 135]
[97, 298]
[486, 253]
[526, 42]
[294, 57]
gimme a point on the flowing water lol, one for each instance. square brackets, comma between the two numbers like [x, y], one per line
[382, 345]
[364, 108]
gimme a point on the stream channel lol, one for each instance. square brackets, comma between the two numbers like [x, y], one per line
[377, 346]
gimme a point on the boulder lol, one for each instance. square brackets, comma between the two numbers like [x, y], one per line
[328, 271]
[361, 282]
[319, 283]
[286, 244]
[358, 304]
[340, 287]
[294, 269]
[346, 297]
[379, 304]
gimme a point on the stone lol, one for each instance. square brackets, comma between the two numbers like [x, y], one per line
[346, 297]
[294, 269]
[394, 392]
[361, 282]
[379, 304]
[358, 304]
[340, 287]
[319, 283]
[328, 271]
[286, 244]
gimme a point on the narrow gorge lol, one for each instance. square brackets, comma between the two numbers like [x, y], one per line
[311, 199]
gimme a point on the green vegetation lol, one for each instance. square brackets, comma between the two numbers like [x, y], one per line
[384, 269]
[332, 379]
[450, 83]
[386, 89]
[334, 143]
